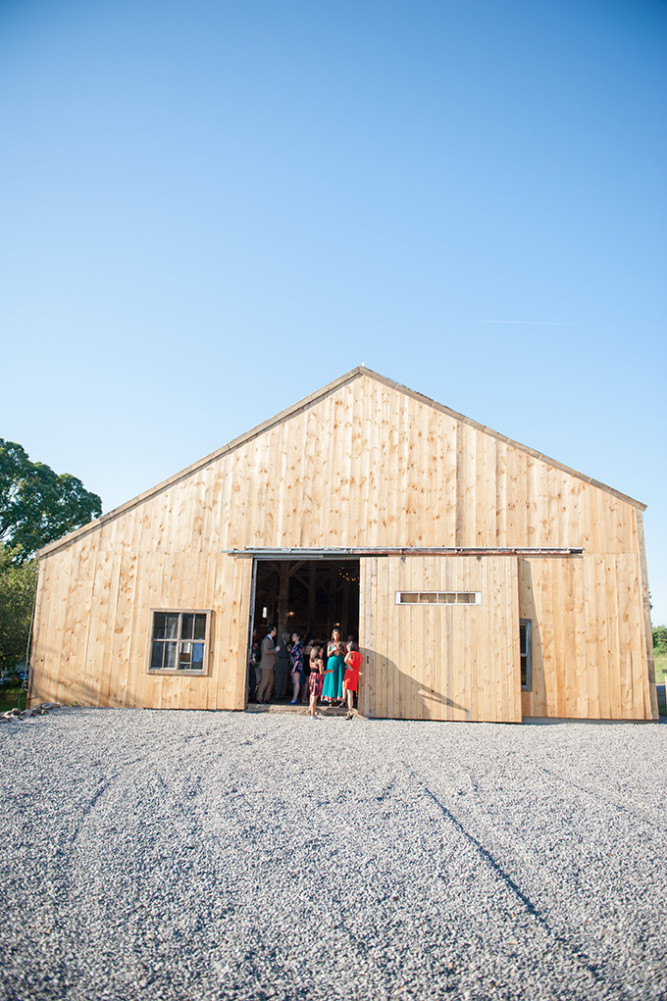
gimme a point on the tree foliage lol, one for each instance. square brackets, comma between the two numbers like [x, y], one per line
[37, 505]
[660, 640]
[17, 591]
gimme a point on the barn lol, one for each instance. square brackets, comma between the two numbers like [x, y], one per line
[484, 580]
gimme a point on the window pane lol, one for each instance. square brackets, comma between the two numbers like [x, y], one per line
[170, 655]
[187, 625]
[159, 625]
[428, 598]
[184, 659]
[446, 598]
[165, 626]
[466, 598]
[156, 654]
[171, 626]
[200, 627]
[197, 656]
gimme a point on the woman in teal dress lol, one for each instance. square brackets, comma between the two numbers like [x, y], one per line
[335, 669]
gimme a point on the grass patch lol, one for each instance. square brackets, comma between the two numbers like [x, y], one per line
[9, 697]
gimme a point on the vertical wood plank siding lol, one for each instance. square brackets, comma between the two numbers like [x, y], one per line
[441, 662]
[363, 464]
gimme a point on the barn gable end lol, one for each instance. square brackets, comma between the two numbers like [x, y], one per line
[361, 463]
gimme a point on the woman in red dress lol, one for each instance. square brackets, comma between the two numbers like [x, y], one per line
[353, 661]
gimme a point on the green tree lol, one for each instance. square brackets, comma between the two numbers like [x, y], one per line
[17, 591]
[37, 505]
[660, 640]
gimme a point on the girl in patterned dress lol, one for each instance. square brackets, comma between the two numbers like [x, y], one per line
[315, 679]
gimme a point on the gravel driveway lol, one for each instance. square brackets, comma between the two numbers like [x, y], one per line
[195, 856]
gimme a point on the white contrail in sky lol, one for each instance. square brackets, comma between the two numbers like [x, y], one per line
[536, 323]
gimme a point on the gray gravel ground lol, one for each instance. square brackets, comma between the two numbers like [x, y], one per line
[196, 856]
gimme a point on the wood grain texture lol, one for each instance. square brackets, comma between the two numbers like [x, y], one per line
[363, 463]
[442, 662]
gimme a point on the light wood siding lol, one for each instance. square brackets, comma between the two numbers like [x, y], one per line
[361, 464]
[103, 660]
[441, 662]
[589, 646]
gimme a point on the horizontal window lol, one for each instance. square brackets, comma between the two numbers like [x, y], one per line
[179, 641]
[438, 597]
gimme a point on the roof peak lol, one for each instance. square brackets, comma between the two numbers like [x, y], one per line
[308, 401]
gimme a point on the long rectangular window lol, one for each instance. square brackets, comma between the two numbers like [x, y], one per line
[526, 642]
[438, 597]
[179, 641]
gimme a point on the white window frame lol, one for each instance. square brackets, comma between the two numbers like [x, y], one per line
[427, 599]
[175, 671]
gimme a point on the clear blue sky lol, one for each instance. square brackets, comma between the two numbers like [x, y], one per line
[210, 209]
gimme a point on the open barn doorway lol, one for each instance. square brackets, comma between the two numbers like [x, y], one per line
[308, 596]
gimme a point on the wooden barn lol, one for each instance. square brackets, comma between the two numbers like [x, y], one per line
[484, 580]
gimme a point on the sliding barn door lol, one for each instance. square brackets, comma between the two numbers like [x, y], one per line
[440, 638]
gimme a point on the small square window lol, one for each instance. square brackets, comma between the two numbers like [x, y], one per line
[179, 642]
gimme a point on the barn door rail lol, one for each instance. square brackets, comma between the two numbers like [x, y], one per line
[354, 552]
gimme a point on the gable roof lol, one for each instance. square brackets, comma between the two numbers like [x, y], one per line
[297, 408]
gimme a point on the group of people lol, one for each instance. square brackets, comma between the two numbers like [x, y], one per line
[316, 671]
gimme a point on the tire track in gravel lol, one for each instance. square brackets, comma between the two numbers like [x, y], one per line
[121, 775]
[638, 828]
[257, 812]
[104, 787]
[600, 797]
[531, 855]
[576, 953]
[410, 829]
[120, 786]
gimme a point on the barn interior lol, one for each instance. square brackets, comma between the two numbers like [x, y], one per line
[309, 596]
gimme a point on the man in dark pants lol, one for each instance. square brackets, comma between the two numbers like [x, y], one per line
[267, 664]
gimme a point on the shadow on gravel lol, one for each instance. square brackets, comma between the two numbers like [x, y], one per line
[576, 953]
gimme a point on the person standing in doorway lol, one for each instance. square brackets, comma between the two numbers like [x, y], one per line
[296, 658]
[353, 661]
[282, 667]
[253, 668]
[332, 690]
[315, 679]
[267, 665]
